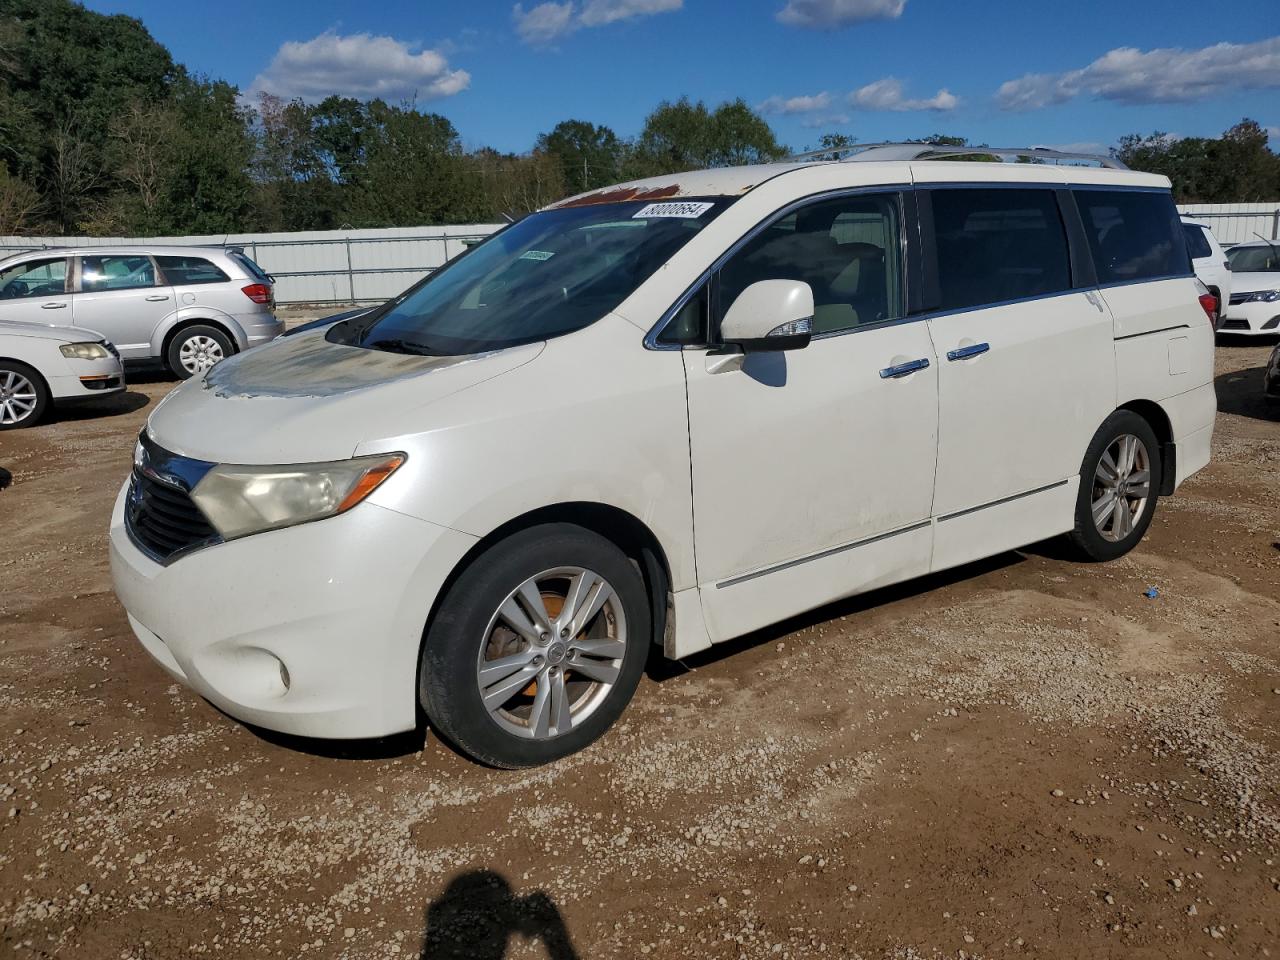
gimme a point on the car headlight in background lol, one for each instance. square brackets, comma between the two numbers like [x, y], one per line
[242, 500]
[85, 351]
[1261, 296]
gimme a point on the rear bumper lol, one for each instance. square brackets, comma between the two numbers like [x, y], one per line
[259, 328]
[1191, 417]
[312, 630]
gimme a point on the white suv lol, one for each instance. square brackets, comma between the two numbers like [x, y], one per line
[664, 414]
[187, 306]
[1209, 263]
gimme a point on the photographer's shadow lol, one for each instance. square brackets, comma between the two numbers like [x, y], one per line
[476, 916]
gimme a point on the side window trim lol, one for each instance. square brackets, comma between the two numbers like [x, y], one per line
[1084, 275]
[711, 274]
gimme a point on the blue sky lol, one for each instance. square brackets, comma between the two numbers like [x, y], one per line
[1080, 73]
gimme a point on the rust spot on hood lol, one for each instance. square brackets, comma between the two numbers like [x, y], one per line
[621, 195]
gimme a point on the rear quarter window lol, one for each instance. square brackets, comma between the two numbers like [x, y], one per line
[254, 270]
[1197, 242]
[1133, 234]
[185, 271]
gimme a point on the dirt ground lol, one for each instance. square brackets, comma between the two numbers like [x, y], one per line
[1024, 757]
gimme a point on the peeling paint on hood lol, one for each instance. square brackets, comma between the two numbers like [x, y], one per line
[311, 366]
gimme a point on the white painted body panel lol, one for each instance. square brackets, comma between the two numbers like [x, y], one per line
[1021, 415]
[37, 346]
[796, 453]
[771, 489]
[1258, 314]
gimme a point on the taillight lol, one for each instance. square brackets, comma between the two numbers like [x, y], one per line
[258, 292]
[1208, 301]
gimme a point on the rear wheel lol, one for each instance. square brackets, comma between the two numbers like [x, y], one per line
[23, 396]
[195, 349]
[1119, 484]
[537, 647]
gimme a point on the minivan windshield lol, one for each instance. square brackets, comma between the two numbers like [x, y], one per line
[1259, 259]
[549, 274]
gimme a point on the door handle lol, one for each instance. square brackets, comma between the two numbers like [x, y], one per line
[902, 369]
[973, 350]
[157, 298]
[53, 306]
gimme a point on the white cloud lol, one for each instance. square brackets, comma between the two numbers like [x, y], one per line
[596, 13]
[830, 14]
[1273, 137]
[1168, 75]
[359, 65]
[887, 94]
[548, 22]
[790, 105]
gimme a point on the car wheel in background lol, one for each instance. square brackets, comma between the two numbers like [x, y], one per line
[193, 350]
[1119, 486]
[23, 395]
[537, 647]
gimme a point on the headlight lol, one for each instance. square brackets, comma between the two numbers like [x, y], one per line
[1262, 296]
[243, 500]
[84, 351]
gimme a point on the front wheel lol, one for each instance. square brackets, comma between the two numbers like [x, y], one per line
[1119, 484]
[23, 396]
[536, 648]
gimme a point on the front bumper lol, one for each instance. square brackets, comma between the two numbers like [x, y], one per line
[86, 379]
[1256, 318]
[340, 604]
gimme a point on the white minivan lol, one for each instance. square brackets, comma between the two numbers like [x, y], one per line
[664, 414]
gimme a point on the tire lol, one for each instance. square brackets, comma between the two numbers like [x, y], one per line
[196, 349]
[1125, 442]
[24, 397]
[524, 725]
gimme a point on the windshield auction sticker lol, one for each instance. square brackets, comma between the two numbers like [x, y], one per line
[685, 210]
[537, 255]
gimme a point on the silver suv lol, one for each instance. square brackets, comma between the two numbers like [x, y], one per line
[187, 306]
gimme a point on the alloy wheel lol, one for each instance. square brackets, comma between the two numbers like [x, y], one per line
[1121, 487]
[552, 652]
[18, 398]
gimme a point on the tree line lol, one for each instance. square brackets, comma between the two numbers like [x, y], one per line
[102, 133]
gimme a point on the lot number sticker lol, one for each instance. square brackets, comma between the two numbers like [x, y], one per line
[685, 210]
[537, 255]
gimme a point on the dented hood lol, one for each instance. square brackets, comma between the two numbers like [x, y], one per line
[303, 399]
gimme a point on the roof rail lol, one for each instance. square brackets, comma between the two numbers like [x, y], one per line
[930, 151]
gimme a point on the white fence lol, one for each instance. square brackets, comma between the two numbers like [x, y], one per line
[1237, 222]
[333, 266]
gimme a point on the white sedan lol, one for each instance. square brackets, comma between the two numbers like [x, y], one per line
[1254, 307]
[41, 365]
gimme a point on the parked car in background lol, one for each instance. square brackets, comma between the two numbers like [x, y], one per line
[665, 413]
[42, 365]
[1210, 263]
[189, 307]
[1254, 307]
[1271, 379]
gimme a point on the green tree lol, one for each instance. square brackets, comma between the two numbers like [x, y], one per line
[687, 136]
[1236, 167]
[589, 156]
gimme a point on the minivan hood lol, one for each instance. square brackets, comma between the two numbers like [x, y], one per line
[303, 399]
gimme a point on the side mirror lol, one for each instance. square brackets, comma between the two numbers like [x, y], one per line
[769, 315]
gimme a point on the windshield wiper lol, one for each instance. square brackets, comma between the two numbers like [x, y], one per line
[397, 345]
